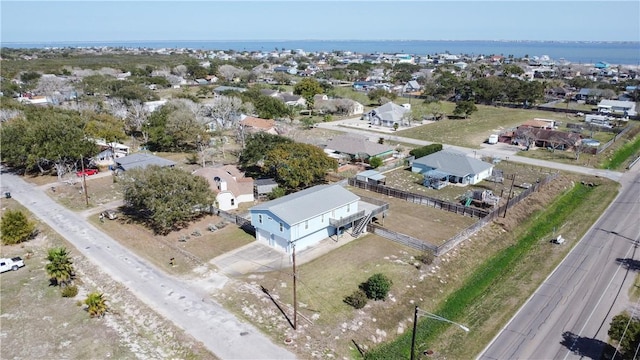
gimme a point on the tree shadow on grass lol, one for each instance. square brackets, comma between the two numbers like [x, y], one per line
[583, 346]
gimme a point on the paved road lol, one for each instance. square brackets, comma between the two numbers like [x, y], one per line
[568, 316]
[186, 306]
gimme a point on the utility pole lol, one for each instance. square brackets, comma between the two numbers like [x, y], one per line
[295, 299]
[513, 180]
[84, 181]
[413, 335]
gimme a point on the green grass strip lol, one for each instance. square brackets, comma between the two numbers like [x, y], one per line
[622, 154]
[487, 275]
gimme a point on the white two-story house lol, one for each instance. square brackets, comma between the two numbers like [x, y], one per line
[304, 218]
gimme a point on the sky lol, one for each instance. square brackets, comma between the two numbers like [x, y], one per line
[95, 21]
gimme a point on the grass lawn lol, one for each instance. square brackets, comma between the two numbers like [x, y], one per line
[473, 131]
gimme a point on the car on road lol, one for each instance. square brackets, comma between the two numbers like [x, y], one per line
[86, 172]
[13, 263]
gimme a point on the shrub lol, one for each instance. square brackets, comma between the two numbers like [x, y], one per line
[15, 227]
[377, 286]
[375, 162]
[425, 258]
[425, 150]
[69, 291]
[358, 299]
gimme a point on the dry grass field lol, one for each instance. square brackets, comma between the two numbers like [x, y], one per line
[474, 130]
[38, 323]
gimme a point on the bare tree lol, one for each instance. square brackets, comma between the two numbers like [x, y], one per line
[8, 114]
[226, 111]
[180, 70]
[117, 107]
[137, 116]
[229, 72]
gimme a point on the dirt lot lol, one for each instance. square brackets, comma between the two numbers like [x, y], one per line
[422, 222]
[38, 323]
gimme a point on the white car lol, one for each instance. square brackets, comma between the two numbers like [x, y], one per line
[11, 264]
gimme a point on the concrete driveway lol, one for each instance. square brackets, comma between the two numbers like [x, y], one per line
[258, 257]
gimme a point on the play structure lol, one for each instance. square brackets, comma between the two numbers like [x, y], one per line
[480, 198]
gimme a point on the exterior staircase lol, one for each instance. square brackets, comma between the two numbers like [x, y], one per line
[361, 225]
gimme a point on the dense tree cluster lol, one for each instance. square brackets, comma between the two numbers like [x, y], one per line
[165, 198]
[45, 139]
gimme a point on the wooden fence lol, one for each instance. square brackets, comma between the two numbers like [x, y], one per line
[403, 239]
[419, 199]
[610, 142]
[463, 235]
[240, 220]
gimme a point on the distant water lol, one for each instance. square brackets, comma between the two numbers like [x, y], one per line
[623, 53]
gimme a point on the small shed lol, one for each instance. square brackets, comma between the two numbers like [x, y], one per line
[371, 177]
[262, 187]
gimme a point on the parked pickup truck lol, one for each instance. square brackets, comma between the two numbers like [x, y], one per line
[11, 264]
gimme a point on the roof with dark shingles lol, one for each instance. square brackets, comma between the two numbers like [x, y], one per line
[352, 145]
[308, 203]
[142, 160]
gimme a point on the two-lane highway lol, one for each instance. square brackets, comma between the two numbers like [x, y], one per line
[569, 314]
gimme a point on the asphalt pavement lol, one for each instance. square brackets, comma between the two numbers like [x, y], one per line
[188, 307]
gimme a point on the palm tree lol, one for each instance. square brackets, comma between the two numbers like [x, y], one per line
[60, 267]
[96, 304]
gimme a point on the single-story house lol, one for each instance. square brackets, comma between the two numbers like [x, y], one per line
[292, 100]
[305, 217]
[109, 152]
[411, 87]
[254, 124]
[627, 108]
[222, 89]
[357, 147]
[453, 167]
[141, 161]
[527, 136]
[387, 115]
[229, 185]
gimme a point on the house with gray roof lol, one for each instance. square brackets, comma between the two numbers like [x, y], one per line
[357, 147]
[141, 161]
[453, 167]
[304, 218]
[387, 115]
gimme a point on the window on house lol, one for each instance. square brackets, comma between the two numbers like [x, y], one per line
[281, 227]
[260, 218]
[306, 224]
[233, 202]
[322, 218]
[348, 207]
